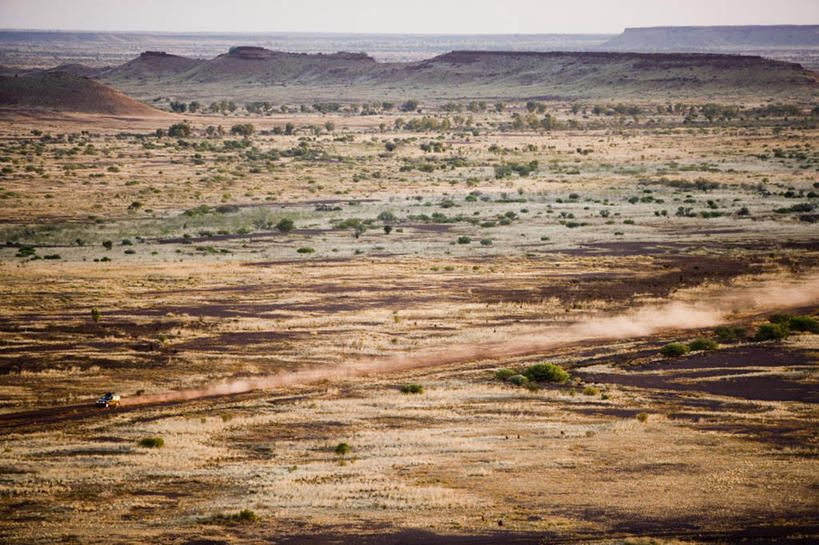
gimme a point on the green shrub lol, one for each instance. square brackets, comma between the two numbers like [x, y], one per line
[804, 323]
[246, 516]
[725, 333]
[771, 332]
[780, 319]
[504, 374]
[412, 389]
[285, 225]
[25, 251]
[674, 349]
[305, 250]
[486, 242]
[518, 380]
[642, 417]
[546, 372]
[464, 240]
[703, 344]
[342, 449]
[152, 442]
[590, 391]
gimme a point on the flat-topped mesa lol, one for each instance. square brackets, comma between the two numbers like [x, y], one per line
[253, 53]
[642, 60]
[715, 37]
[155, 54]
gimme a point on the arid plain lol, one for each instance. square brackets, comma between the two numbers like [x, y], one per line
[313, 310]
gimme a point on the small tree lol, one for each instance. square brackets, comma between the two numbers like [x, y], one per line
[243, 129]
[285, 225]
[409, 106]
[179, 130]
[771, 332]
[95, 315]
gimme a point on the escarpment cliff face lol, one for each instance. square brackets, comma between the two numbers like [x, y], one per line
[255, 73]
[68, 93]
[695, 38]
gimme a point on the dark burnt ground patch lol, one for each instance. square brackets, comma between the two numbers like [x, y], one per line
[658, 278]
[718, 374]
[801, 529]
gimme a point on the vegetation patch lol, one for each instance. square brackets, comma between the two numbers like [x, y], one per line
[546, 372]
[152, 442]
[674, 349]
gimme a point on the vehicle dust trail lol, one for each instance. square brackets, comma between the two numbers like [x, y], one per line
[647, 320]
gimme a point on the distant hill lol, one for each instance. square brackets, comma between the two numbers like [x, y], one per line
[152, 65]
[702, 38]
[254, 73]
[66, 92]
[256, 65]
[76, 69]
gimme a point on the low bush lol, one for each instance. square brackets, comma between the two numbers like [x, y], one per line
[285, 225]
[674, 349]
[804, 323]
[725, 333]
[245, 516]
[642, 417]
[590, 391]
[771, 332]
[342, 449]
[412, 389]
[305, 250]
[25, 251]
[703, 344]
[546, 372]
[518, 380]
[152, 442]
[504, 374]
[780, 319]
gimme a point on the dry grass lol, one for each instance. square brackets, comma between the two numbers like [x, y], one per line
[470, 450]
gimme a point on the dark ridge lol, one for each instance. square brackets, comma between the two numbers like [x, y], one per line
[650, 59]
[715, 37]
[156, 54]
[246, 52]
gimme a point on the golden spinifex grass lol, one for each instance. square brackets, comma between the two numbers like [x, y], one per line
[252, 362]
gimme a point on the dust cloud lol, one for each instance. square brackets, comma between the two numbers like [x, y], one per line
[712, 310]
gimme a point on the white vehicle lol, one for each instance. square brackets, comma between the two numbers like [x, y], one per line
[108, 400]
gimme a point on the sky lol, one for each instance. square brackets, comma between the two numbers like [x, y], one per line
[403, 16]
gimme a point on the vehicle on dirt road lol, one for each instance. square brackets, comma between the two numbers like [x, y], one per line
[108, 400]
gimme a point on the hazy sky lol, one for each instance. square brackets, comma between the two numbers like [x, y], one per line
[407, 16]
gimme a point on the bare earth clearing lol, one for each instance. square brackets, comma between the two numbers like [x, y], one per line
[417, 256]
